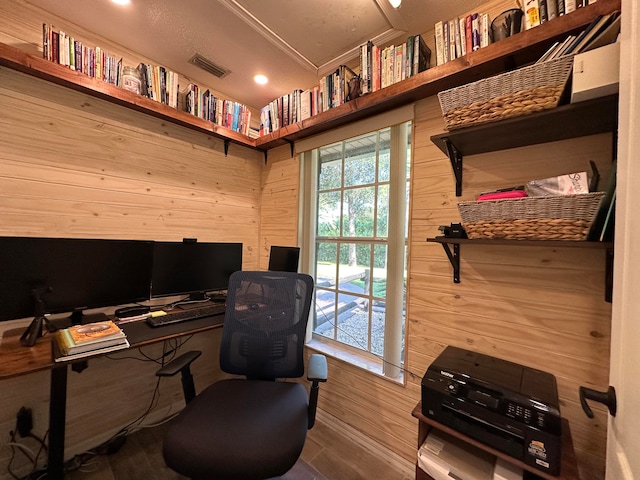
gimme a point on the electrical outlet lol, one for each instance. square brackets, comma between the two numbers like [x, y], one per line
[24, 423]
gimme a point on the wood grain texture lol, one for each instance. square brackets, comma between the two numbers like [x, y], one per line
[75, 165]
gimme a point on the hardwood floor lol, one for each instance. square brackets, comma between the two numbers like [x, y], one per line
[332, 452]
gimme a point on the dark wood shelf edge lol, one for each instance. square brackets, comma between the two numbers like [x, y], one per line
[569, 465]
[522, 243]
[18, 60]
[599, 115]
[510, 53]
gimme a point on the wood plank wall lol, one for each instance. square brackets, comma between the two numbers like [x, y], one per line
[75, 166]
[71, 165]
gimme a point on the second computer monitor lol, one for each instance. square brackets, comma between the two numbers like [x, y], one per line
[284, 259]
[193, 268]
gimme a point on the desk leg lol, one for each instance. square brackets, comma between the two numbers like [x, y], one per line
[57, 413]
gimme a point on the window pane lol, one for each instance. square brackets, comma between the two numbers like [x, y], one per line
[354, 281]
[357, 220]
[360, 161]
[382, 221]
[329, 214]
[330, 175]
[326, 275]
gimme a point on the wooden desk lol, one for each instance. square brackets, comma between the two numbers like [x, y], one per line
[16, 360]
[568, 467]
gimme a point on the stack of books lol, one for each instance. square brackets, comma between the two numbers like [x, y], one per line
[81, 341]
[459, 36]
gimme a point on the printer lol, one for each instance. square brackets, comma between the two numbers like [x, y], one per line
[509, 407]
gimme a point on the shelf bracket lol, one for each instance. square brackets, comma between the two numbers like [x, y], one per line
[456, 163]
[266, 154]
[292, 145]
[454, 258]
[226, 147]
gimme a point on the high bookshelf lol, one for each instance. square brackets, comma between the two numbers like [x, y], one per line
[507, 54]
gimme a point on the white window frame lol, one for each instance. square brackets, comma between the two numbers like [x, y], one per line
[390, 365]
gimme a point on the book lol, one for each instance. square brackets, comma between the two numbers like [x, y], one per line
[598, 227]
[439, 40]
[468, 33]
[552, 9]
[608, 35]
[582, 35]
[594, 29]
[544, 12]
[60, 357]
[89, 337]
[569, 5]
[421, 55]
[531, 14]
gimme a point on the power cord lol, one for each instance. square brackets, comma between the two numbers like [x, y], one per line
[357, 342]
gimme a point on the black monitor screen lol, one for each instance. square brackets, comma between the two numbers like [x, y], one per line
[181, 268]
[284, 259]
[80, 274]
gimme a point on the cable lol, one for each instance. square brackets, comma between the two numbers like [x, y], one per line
[363, 347]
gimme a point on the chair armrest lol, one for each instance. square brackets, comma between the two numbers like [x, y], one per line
[317, 368]
[178, 363]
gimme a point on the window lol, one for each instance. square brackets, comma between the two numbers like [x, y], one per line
[357, 233]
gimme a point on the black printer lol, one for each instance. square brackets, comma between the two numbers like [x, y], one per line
[507, 406]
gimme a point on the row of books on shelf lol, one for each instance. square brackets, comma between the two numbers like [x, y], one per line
[384, 66]
[62, 48]
[333, 90]
[458, 36]
[226, 113]
[79, 341]
[152, 81]
[604, 29]
[379, 68]
[540, 11]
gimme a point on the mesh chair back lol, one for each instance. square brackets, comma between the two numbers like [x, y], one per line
[265, 324]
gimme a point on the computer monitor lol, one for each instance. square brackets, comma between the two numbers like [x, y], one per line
[71, 274]
[193, 268]
[284, 259]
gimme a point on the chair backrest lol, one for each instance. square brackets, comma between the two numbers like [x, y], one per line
[265, 324]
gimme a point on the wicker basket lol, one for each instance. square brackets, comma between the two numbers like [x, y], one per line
[512, 94]
[555, 217]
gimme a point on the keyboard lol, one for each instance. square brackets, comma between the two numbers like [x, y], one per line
[185, 315]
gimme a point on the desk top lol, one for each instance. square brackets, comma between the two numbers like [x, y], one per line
[16, 359]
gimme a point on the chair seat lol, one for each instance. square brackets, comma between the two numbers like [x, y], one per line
[263, 426]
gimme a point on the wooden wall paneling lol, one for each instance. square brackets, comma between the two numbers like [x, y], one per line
[73, 165]
[279, 202]
[540, 307]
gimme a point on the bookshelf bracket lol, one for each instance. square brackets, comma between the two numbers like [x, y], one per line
[226, 147]
[454, 258]
[266, 155]
[456, 163]
[291, 145]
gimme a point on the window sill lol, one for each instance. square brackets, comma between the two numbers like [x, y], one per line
[355, 357]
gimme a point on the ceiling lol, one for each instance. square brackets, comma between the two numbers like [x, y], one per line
[292, 42]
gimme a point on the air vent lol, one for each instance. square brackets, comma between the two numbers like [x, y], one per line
[208, 66]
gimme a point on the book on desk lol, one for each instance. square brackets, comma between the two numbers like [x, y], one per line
[80, 341]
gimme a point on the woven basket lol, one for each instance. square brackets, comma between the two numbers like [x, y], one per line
[520, 92]
[555, 217]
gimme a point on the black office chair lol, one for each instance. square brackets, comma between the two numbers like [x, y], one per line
[252, 427]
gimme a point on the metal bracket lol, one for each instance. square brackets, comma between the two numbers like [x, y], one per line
[456, 163]
[292, 145]
[226, 147]
[266, 154]
[454, 258]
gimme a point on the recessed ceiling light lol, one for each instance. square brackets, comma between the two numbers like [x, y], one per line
[395, 3]
[122, 2]
[261, 79]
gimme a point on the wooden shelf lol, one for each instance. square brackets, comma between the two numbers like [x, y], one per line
[568, 467]
[507, 54]
[574, 120]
